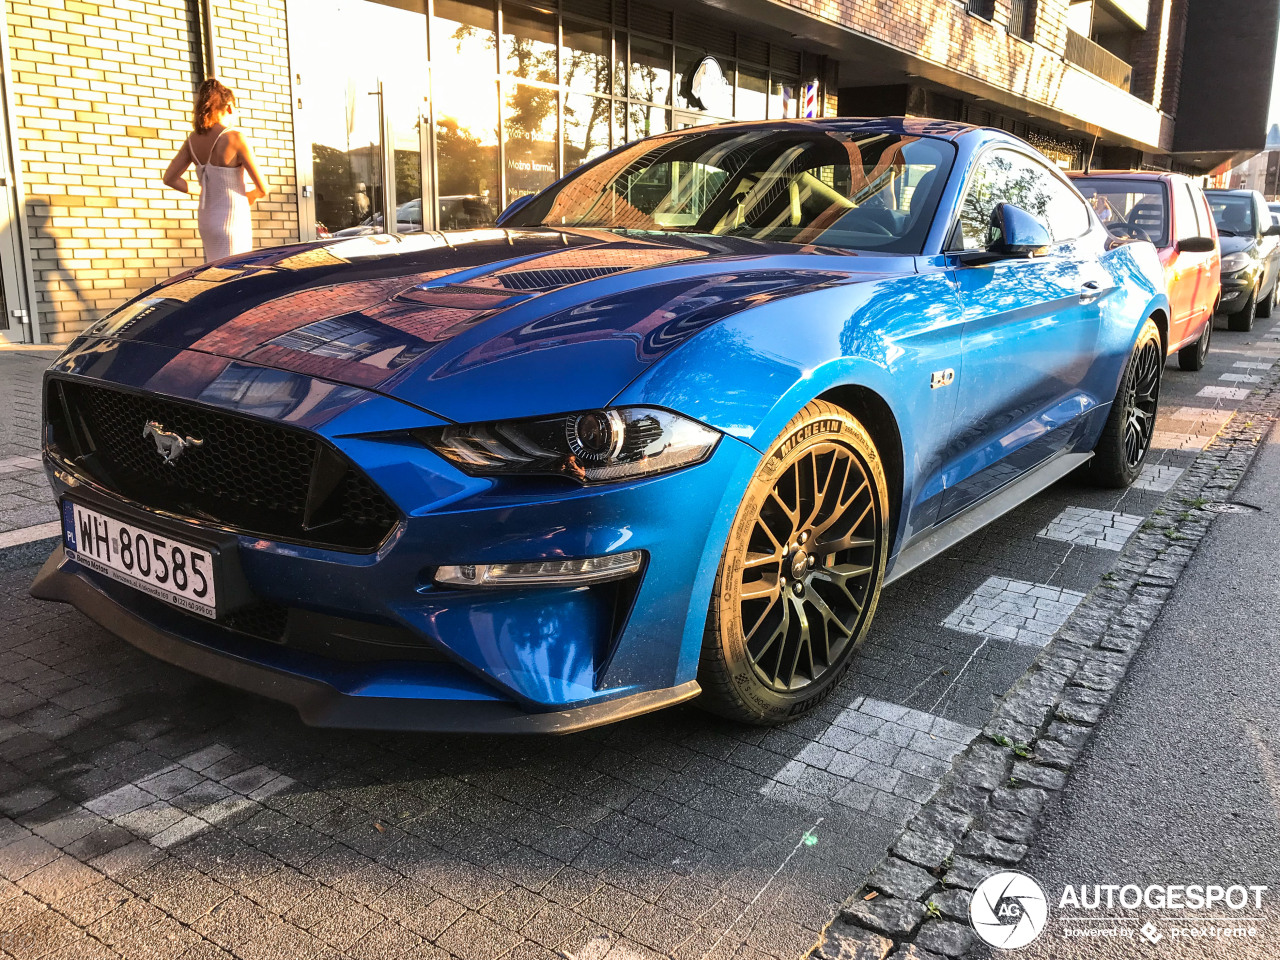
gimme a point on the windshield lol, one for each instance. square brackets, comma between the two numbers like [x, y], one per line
[1127, 206]
[792, 184]
[1233, 214]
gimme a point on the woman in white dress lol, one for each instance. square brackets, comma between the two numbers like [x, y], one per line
[222, 157]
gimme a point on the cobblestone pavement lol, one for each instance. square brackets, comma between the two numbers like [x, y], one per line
[149, 813]
[24, 492]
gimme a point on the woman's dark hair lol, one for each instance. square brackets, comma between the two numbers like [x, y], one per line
[212, 98]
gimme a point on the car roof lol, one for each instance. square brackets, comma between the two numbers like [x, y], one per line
[1149, 175]
[1236, 191]
[1121, 174]
[906, 126]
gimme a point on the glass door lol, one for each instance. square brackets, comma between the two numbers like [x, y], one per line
[363, 107]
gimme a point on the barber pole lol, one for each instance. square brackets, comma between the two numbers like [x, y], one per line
[809, 100]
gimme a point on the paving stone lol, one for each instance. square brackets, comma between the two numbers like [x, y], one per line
[966, 872]
[1008, 825]
[924, 850]
[900, 879]
[845, 942]
[953, 903]
[982, 845]
[1090, 527]
[1006, 609]
[885, 915]
[1037, 776]
[946, 937]
[909, 951]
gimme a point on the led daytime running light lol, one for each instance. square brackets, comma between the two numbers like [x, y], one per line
[542, 573]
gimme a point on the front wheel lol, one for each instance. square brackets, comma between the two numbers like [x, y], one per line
[1265, 305]
[1192, 356]
[800, 576]
[1126, 438]
[1242, 320]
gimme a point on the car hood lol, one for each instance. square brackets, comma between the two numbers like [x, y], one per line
[1231, 245]
[482, 324]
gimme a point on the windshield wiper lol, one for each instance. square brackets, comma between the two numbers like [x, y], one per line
[1227, 233]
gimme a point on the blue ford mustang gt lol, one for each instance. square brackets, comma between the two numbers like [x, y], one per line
[665, 432]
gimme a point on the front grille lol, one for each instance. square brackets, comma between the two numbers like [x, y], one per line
[250, 475]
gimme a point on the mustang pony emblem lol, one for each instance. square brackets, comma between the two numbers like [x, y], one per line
[169, 445]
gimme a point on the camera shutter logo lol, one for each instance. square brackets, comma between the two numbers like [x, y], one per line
[1008, 910]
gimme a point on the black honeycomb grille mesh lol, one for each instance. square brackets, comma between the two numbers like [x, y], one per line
[246, 474]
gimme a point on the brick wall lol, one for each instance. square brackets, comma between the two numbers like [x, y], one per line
[102, 102]
[943, 33]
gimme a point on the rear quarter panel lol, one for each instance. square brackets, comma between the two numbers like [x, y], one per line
[1139, 293]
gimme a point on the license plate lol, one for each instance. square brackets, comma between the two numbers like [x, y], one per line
[170, 570]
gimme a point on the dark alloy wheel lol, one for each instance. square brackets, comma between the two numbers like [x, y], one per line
[1141, 401]
[800, 576]
[1126, 436]
[1191, 357]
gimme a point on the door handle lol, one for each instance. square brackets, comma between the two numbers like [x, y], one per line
[1090, 290]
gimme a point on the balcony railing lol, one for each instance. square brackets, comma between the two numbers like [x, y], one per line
[1099, 61]
[1022, 19]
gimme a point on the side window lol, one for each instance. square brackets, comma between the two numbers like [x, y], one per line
[1185, 224]
[1005, 176]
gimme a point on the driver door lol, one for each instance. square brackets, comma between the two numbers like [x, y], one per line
[1030, 329]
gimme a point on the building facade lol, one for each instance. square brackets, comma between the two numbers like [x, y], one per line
[404, 115]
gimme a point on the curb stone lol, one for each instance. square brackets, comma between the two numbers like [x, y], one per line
[987, 809]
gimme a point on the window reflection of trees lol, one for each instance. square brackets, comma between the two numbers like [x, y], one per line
[1008, 177]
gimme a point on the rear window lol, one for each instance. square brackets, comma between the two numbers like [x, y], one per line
[1129, 207]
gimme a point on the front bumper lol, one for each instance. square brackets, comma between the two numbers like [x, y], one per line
[1236, 288]
[319, 702]
[536, 659]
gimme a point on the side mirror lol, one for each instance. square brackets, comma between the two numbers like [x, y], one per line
[1197, 245]
[1272, 231]
[1016, 233]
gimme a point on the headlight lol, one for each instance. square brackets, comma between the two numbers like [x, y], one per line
[1235, 262]
[596, 446]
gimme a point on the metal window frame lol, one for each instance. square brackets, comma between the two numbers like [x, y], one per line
[24, 280]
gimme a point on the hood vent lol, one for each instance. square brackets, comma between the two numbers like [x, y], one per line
[552, 279]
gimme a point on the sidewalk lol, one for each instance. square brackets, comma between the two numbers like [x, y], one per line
[1181, 784]
[27, 511]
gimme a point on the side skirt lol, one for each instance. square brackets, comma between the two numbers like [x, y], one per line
[976, 516]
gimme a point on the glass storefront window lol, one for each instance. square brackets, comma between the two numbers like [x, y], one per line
[650, 70]
[584, 60]
[704, 83]
[528, 44]
[345, 120]
[644, 120]
[463, 44]
[467, 140]
[530, 138]
[753, 88]
[784, 98]
[464, 36]
[586, 128]
[511, 97]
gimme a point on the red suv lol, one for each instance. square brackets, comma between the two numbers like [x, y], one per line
[1171, 211]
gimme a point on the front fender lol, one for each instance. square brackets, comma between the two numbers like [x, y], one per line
[750, 374]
